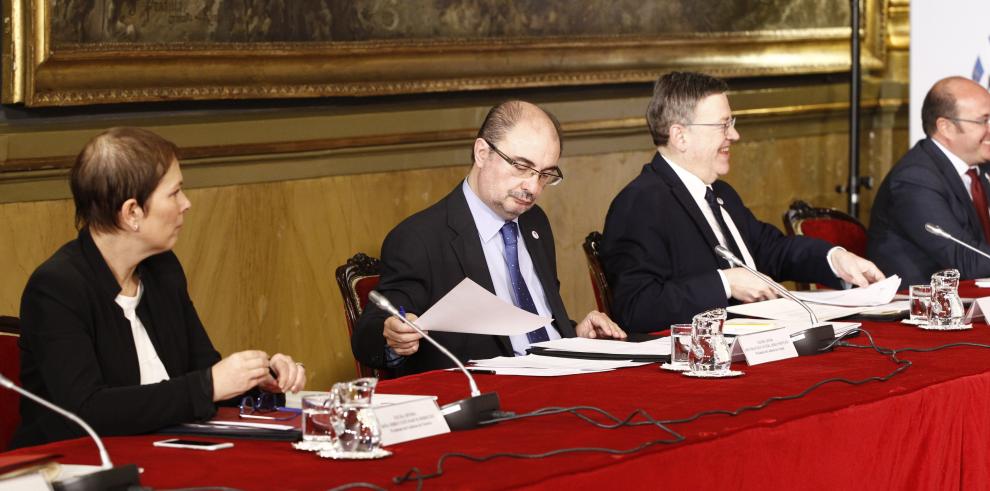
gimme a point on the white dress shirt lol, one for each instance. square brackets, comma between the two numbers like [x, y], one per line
[697, 188]
[488, 224]
[152, 369]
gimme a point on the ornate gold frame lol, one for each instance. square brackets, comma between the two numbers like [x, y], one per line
[36, 74]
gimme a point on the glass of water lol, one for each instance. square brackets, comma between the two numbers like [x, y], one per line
[680, 346]
[921, 302]
[317, 430]
[355, 427]
[947, 307]
[709, 351]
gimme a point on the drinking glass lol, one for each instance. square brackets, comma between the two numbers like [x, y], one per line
[921, 302]
[946, 307]
[355, 427]
[709, 351]
[680, 346]
[317, 431]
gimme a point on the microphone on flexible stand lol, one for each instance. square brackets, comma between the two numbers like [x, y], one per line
[936, 230]
[812, 341]
[464, 414]
[108, 477]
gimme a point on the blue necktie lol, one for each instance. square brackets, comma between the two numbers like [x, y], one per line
[520, 292]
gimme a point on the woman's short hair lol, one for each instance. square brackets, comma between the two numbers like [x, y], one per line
[115, 166]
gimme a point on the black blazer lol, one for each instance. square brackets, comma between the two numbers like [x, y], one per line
[426, 256]
[658, 251]
[923, 187]
[77, 349]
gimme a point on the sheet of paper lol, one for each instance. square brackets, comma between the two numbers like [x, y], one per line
[840, 328]
[742, 326]
[544, 372]
[469, 308]
[537, 361]
[879, 293]
[784, 309]
[659, 346]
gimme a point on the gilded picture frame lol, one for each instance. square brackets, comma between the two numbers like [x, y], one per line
[51, 57]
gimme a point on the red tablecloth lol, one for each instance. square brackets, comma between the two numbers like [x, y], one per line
[928, 428]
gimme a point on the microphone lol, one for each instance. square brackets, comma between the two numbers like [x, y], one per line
[810, 341]
[936, 230]
[108, 477]
[464, 414]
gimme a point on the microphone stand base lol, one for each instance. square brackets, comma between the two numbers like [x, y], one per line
[465, 414]
[811, 341]
[117, 478]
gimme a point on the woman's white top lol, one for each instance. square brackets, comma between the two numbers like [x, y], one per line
[152, 369]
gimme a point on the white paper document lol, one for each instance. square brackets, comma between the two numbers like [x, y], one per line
[784, 309]
[659, 346]
[537, 361]
[543, 372]
[879, 293]
[469, 308]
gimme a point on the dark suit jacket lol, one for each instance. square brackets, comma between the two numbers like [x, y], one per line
[426, 256]
[923, 187]
[77, 349]
[658, 251]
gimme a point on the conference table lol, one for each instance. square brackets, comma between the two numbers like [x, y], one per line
[927, 427]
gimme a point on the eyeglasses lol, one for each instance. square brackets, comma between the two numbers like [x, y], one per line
[726, 126]
[547, 178]
[264, 402]
[983, 121]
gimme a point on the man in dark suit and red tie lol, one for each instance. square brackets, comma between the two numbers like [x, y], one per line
[490, 230]
[942, 181]
[661, 230]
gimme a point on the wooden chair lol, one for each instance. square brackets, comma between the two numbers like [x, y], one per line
[356, 279]
[603, 295]
[828, 224]
[10, 367]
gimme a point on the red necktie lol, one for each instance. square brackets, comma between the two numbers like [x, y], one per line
[979, 201]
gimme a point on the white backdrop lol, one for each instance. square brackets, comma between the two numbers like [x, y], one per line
[948, 37]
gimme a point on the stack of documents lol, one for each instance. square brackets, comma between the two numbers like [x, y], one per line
[827, 305]
[548, 366]
[574, 356]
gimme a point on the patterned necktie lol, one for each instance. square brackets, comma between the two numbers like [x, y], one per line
[520, 292]
[979, 201]
[730, 242]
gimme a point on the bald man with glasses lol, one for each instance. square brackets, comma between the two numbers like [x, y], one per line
[490, 230]
[662, 229]
[942, 180]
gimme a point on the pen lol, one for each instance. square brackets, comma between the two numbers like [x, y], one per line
[402, 311]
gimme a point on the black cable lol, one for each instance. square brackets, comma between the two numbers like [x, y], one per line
[902, 365]
[356, 485]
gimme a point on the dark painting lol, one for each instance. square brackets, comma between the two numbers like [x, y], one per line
[229, 21]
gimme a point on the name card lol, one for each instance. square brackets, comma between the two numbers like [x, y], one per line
[411, 420]
[978, 310]
[767, 346]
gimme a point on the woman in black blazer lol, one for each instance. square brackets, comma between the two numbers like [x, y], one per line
[108, 329]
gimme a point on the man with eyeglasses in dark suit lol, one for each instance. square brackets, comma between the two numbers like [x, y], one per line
[661, 230]
[490, 230]
[942, 181]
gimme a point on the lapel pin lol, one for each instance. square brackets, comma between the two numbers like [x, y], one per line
[720, 202]
[536, 235]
